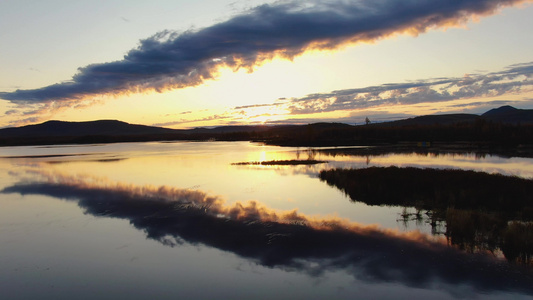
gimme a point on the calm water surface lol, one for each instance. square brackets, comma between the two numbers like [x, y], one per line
[178, 220]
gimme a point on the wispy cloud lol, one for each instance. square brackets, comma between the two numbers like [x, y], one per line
[514, 79]
[171, 60]
[188, 121]
[253, 106]
[378, 101]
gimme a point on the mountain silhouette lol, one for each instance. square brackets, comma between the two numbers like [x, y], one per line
[100, 127]
[505, 114]
[446, 119]
[509, 114]
[108, 131]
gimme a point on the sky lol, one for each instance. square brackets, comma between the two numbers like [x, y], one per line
[184, 64]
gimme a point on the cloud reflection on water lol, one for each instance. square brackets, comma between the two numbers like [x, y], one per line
[286, 240]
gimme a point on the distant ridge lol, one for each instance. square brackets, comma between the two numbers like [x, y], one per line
[509, 114]
[111, 131]
[447, 119]
[100, 128]
[506, 109]
[505, 114]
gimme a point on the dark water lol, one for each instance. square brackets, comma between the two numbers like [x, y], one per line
[178, 220]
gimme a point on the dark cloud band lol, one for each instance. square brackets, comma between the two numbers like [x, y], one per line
[172, 60]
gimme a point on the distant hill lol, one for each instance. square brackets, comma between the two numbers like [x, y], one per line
[447, 119]
[505, 114]
[119, 128]
[509, 114]
[109, 131]
[91, 128]
[228, 129]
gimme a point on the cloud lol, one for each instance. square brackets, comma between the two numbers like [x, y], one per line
[253, 106]
[284, 240]
[185, 121]
[172, 60]
[514, 79]
[359, 103]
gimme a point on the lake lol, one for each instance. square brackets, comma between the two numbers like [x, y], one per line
[184, 220]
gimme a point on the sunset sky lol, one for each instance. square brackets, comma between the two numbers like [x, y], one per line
[182, 64]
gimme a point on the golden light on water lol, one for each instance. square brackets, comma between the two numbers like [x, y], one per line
[215, 205]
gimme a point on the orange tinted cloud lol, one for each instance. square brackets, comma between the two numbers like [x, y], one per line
[171, 60]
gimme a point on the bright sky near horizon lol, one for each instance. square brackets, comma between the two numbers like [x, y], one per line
[184, 64]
